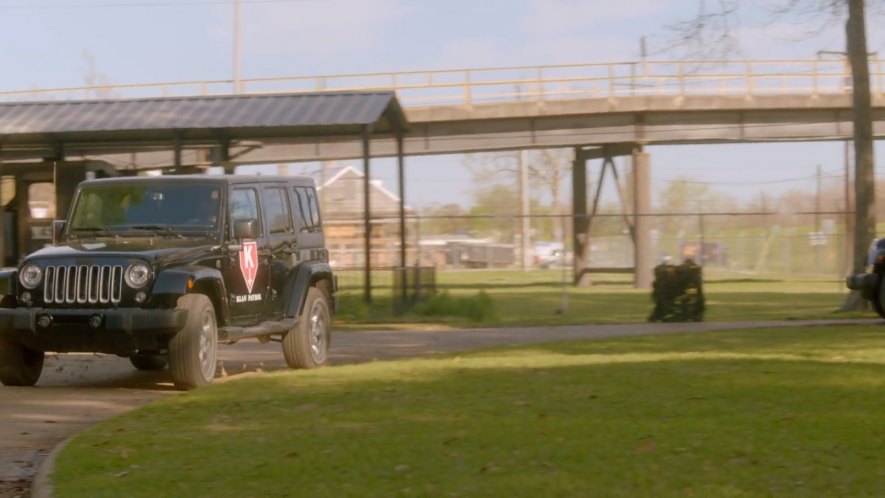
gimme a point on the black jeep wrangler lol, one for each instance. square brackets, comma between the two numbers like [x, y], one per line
[162, 269]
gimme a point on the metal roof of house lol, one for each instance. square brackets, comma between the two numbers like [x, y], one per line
[197, 119]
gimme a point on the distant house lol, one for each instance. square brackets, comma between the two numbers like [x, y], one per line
[341, 202]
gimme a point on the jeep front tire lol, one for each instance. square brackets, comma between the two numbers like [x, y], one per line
[19, 366]
[193, 351]
[307, 344]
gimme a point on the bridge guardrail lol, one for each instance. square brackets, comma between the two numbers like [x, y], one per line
[466, 87]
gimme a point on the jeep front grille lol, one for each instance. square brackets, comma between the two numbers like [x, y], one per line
[83, 284]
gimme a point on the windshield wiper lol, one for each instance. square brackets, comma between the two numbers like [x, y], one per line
[165, 229]
[92, 230]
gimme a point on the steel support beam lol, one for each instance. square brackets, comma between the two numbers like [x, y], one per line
[402, 214]
[579, 213]
[642, 249]
[367, 217]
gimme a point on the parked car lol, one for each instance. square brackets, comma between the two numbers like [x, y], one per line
[548, 254]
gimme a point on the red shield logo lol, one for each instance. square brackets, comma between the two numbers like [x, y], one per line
[249, 263]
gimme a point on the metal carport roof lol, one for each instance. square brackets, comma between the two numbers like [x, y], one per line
[155, 121]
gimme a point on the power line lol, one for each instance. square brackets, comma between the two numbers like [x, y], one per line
[761, 182]
[93, 5]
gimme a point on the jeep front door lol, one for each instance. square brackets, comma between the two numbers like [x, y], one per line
[246, 272]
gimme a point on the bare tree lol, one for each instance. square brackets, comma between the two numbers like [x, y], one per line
[712, 31]
[95, 79]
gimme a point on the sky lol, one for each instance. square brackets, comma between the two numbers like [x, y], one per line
[49, 43]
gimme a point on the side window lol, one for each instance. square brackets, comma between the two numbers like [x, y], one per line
[277, 210]
[308, 207]
[314, 207]
[244, 205]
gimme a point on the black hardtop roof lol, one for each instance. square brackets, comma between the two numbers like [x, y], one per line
[303, 181]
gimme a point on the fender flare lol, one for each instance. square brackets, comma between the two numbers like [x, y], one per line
[209, 281]
[300, 279]
[8, 281]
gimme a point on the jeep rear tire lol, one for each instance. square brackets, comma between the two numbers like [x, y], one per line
[149, 362]
[878, 299]
[307, 344]
[19, 366]
[193, 351]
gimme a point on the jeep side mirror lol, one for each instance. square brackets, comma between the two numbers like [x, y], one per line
[58, 228]
[246, 229]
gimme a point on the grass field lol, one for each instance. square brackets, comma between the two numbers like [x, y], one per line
[779, 412]
[537, 298]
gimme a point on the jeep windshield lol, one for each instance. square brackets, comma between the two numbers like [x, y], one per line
[137, 209]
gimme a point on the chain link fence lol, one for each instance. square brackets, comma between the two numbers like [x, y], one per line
[748, 243]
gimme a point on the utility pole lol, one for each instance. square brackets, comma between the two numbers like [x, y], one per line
[849, 229]
[236, 61]
[817, 235]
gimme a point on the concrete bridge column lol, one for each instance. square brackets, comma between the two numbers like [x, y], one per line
[642, 244]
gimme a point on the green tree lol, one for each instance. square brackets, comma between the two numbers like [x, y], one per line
[444, 219]
[685, 198]
[495, 207]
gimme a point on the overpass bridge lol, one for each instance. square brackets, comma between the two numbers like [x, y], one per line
[489, 109]
[600, 110]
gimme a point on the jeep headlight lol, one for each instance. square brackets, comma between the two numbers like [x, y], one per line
[138, 275]
[30, 276]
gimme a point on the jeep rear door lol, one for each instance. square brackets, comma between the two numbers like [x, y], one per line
[308, 225]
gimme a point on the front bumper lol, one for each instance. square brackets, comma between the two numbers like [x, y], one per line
[866, 283]
[122, 331]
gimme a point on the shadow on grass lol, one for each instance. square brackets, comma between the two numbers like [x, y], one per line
[740, 413]
[743, 281]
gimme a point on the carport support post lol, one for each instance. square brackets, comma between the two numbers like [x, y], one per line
[579, 214]
[367, 219]
[3, 240]
[176, 152]
[642, 249]
[400, 162]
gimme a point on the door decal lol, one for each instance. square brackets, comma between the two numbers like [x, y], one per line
[249, 262]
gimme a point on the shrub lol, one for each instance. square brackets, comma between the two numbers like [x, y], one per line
[477, 308]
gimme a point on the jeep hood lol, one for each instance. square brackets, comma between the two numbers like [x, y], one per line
[160, 250]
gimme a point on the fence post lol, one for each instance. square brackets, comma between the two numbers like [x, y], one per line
[879, 74]
[417, 282]
[681, 79]
[468, 93]
[633, 79]
[539, 76]
[611, 81]
[814, 78]
[748, 75]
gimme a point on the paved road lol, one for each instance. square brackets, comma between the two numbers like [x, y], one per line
[78, 390]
